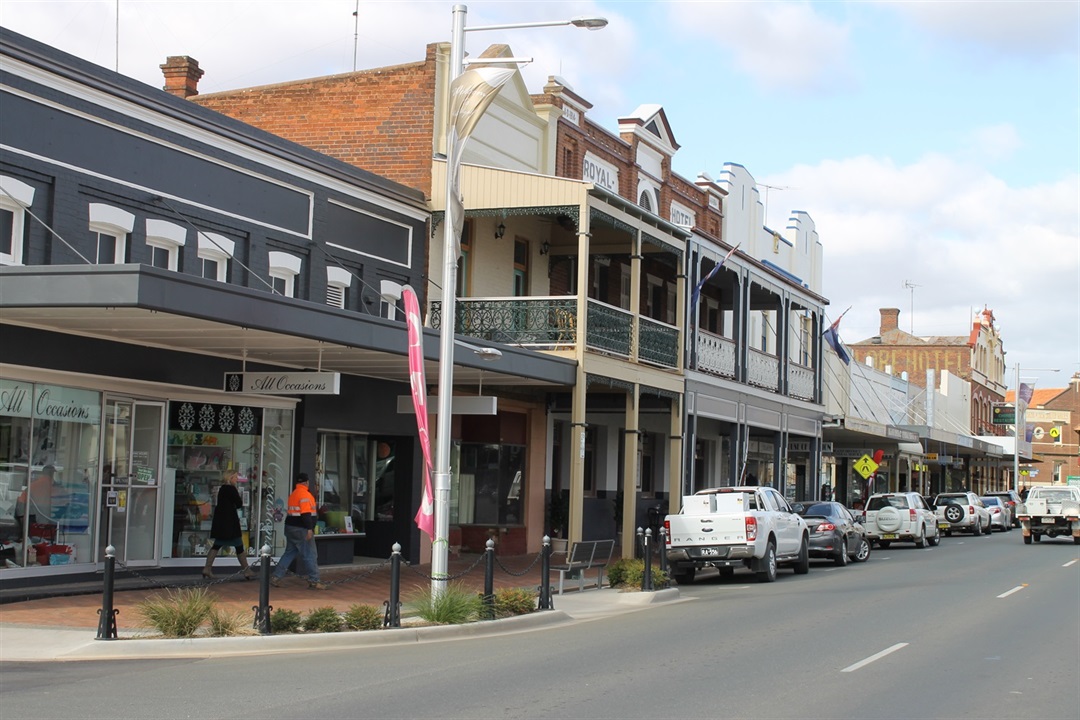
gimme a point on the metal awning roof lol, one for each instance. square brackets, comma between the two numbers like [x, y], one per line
[149, 306]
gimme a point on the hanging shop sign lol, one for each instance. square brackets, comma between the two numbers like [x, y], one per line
[283, 383]
[1003, 414]
[207, 418]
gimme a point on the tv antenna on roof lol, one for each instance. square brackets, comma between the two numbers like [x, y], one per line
[911, 286]
[767, 189]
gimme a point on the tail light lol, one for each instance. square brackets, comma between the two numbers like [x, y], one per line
[971, 509]
[912, 515]
[995, 511]
[825, 527]
[751, 528]
[667, 532]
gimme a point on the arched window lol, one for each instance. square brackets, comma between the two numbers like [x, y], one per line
[109, 230]
[165, 239]
[215, 251]
[645, 201]
[283, 271]
[14, 199]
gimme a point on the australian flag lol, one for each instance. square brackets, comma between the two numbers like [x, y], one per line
[832, 337]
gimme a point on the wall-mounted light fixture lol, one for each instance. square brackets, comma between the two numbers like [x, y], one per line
[544, 247]
[500, 231]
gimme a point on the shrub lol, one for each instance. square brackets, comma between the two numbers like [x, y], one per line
[627, 573]
[364, 617]
[178, 613]
[285, 621]
[455, 605]
[226, 624]
[514, 601]
[324, 619]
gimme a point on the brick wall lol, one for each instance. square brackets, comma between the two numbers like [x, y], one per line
[380, 120]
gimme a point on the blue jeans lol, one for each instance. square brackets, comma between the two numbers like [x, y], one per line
[297, 544]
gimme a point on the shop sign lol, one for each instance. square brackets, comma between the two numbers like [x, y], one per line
[799, 446]
[1003, 414]
[849, 453]
[284, 383]
[600, 173]
[49, 402]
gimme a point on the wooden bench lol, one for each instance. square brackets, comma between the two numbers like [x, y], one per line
[580, 558]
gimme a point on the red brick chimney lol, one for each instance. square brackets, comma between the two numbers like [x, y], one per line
[890, 320]
[182, 75]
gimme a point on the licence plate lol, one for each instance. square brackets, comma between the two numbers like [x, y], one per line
[710, 551]
[889, 536]
[943, 525]
[1049, 520]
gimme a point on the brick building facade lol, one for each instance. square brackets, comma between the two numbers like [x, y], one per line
[1054, 417]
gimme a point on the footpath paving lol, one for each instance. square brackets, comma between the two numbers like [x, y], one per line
[64, 627]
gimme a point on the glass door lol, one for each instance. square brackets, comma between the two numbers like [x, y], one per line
[131, 477]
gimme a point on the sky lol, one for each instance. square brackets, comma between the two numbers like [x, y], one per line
[936, 145]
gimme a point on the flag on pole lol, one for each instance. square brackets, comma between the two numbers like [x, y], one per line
[1026, 391]
[696, 295]
[832, 337]
[470, 95]
[425, 516]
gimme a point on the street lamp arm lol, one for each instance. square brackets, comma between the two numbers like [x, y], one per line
[589, 23]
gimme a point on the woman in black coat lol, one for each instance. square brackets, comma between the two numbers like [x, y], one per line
[225, 527]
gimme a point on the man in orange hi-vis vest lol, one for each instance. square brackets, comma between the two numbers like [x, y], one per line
[300, 535]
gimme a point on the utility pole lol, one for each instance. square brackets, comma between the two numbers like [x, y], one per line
[911, 286]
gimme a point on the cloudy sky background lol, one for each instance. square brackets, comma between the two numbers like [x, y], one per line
[935, 144]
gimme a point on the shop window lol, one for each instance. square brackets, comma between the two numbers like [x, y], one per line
[109, 230]
[355, 481]
[164, 239]
[215, 251]
[490, 484]
[15, 197]
[49, 437]
[283, 271]
[338, 281]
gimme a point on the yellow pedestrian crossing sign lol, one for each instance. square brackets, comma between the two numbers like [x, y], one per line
[866, 466]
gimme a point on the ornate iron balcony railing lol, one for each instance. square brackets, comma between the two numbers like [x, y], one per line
[800, 381]
[715, 355]
[763, 370]
[659, 342]
[610, 329]
[544, 323]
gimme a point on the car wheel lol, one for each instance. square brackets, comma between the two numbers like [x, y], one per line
[1076, 540]
[920, 541]
[766, 572]
[726, 572]
[684, 576]
[988, 529]
[802, 565]
[976, 529]
[954, 513]
[948, 533]
[1027, 539]
[863, 553]
[841, 557]
[1038, 538]
[883, 544]
[933, 541]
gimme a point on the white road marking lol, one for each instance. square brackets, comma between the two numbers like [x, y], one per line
[1007, 593]
[872, 658]
[1071, 562]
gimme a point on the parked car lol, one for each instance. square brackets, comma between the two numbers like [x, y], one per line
[1000, 513]
[834, 533]
[900, 517]
[962, 512]
[1013, 499]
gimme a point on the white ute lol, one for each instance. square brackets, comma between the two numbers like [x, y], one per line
[1050, 511]
[732, 527]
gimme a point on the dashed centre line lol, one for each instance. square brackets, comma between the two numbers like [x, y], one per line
[1007, 593]
[1071, 562]
[872, 658]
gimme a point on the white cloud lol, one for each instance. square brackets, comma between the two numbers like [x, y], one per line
[965, 236]
[993, 143]
[1031, 28]
[782, 45]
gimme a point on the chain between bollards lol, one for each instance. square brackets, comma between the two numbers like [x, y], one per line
[262, 611]
[544, 602]
[107, 614]
[392, 617]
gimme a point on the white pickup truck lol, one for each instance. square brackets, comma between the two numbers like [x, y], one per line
[732, 527]
[1050, 511]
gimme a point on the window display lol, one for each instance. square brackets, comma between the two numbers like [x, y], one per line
[49, 439]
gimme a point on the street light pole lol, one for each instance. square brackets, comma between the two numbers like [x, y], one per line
[441, 543]
[1020, 412]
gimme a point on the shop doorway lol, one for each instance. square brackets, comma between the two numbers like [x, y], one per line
[133, 431]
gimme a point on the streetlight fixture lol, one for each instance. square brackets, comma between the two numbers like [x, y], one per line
[1020, 411]
[440, 546]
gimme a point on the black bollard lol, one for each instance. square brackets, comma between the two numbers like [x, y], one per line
[107, 614]
[262, 612]
[393, 605]
[545, 576]
[646, 577]
[662, 548]
[489, 579]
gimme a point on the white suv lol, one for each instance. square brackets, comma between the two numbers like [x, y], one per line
[962, 512]
[900, 517]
